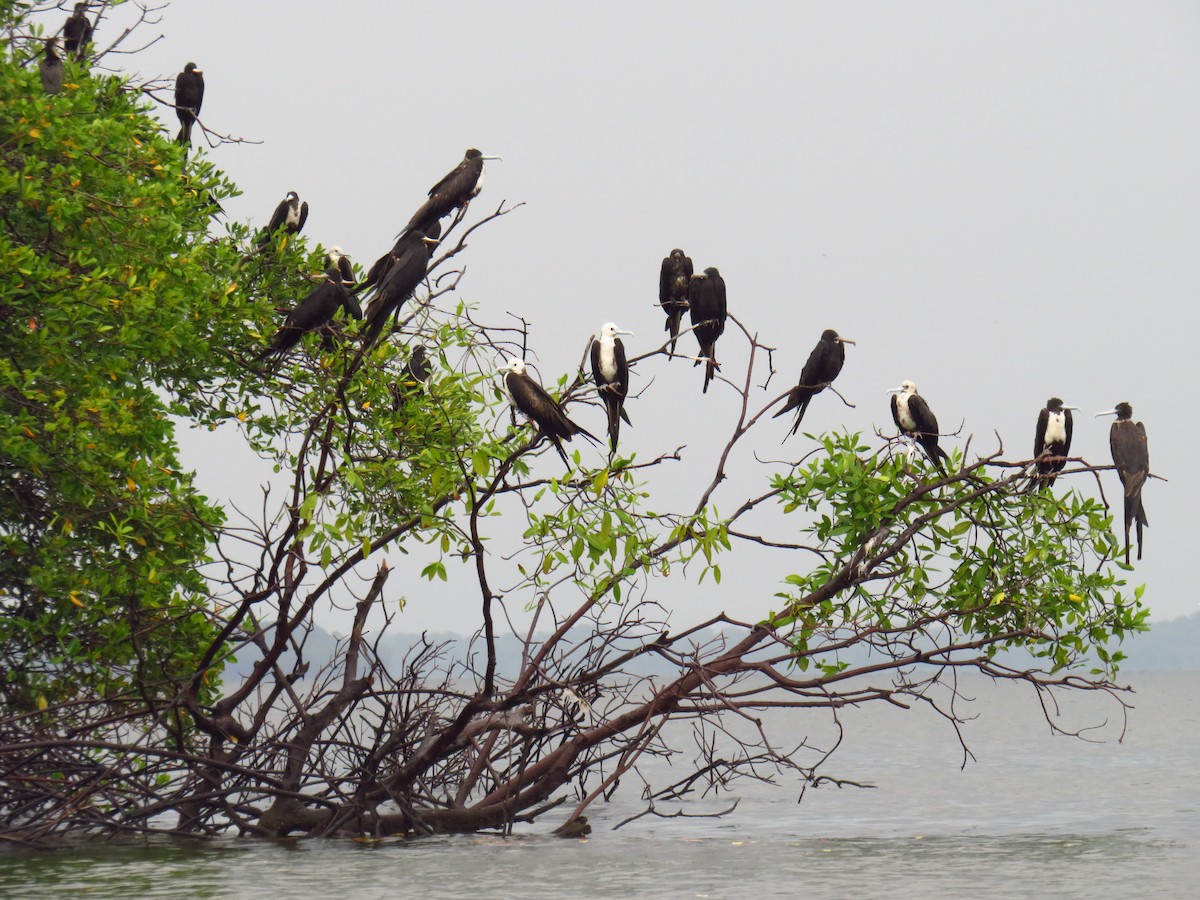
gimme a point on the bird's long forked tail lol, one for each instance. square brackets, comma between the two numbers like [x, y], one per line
[674, 318]
[1135, 512]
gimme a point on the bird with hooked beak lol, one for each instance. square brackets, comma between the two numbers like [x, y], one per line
[824, 364]
[1131, 456]
[914, 418]
[539, 407]
[289, 215]
[453, 192]
[1052, 441]
[610, 371]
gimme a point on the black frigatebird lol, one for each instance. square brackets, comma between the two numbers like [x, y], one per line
[706, 305]
[413, 377]
[610, 371]
[77, 32]
[673, 280]
[290, 215]
[1052, 441]
[51, 68]
[313, 312]
[539, 407]
[189, 97]
[913, 417]
[1131, 456]
[824, 364]
[408, 262]
[452, 192]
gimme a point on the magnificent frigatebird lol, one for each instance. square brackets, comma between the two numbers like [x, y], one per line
[611, 374]
[313, 312]
[1131, 456]
[380, 267]
[1053, 440]
[824, 364]
[706, 305]
[410, 259]
[290, 215]
[77, 32]
[531, 398]
[189, 97]
[452, 192]
[913, 416]
[51, 68]
[673, 281]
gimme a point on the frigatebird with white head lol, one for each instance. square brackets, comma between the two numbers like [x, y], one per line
[539, 407]
[913, 417]
[673, 280]
[610, 371]
[706, 306]
[824, 364]
[1053, 440]
[1131, 456]
[454, 191]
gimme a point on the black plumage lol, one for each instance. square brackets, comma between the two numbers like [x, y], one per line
[289, 215]
[452, 192]
[189, 97]
[313, 312]
[1131, 456]
[610, 371]
[539, 407]
[77, 32]
[1052, 441]
[51, 68]
[381, 266]
[913, 417]
[413, 377]
[823, 366]
[673, 280]
[706, 305]
[403, 272]
[335, 257]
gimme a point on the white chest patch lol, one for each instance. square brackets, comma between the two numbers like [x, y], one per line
[479, 183]
[293, 215]
[1056, 428]
[608, 360]
[907, 422]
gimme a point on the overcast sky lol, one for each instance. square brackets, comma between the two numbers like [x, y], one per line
[1000, 202]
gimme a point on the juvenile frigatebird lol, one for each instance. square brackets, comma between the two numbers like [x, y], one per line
[531, 398]
[706, 305]
[51, 68]
[824, 364]
[313, 312]
[189, 97]
[410, 259]
[1131, 456]
[673, 280]
[290, 215]
[335, 257]
[1053, 440]
[610, 371]
[413, 377]
[452, 192]
[77, 32]
[913, 417]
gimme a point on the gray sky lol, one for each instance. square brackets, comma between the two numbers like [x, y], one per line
[999, 202]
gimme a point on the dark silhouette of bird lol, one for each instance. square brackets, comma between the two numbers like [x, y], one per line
[189, 97]
[913, 417]
[539, 407]
[1052, 441]
[1131, 456]
[824, 364]
[673, 280]
[452, 192]
[380, 267]
[77, 32]
[289, 215]
[610, 371]
[706, 305]
[407, 267]
[414, 377]
[51, 68]
[312, 313]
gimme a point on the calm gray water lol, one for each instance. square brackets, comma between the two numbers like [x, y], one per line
[1034, 816]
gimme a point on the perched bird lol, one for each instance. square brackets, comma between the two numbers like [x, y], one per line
[1131, 456]
[77, 32]
[313, 312]
[335, 257]
[380, 267]
[824, 364]
[1053, 439]
[290, 215]
[408, 262]
[413, 378]
[51, 68]
[673, 279]
[913, 417]
[189, 97]
[706, 305]
[611, 374]
[452, 192]
[531, 398]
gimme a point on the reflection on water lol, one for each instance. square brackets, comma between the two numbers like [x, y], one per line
[1034, 815]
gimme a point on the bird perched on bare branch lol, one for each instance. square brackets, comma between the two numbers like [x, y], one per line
[823, 366]
[189, 97]
[913, 417]
[454, 191]
[610, 371]
[77, 32]
[706, 305]
[539, 407]
[673, 280]
[1131, 456]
